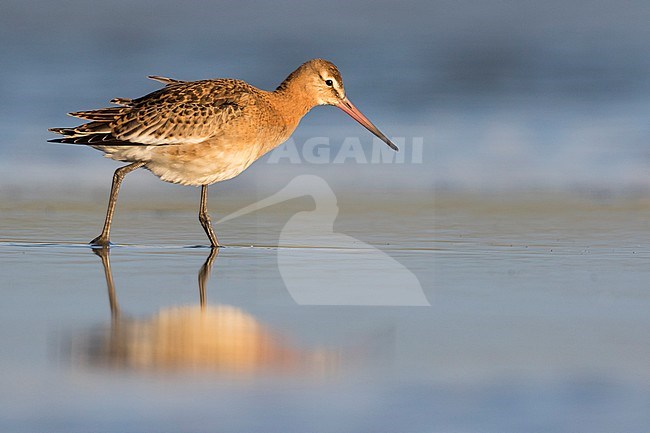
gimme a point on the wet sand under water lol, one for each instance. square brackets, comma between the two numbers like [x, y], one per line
[531, 315]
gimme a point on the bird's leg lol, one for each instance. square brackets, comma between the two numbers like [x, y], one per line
[204, 218]
[103, 239]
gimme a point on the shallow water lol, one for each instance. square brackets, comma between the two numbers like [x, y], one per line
[537, 318]
[387, 309]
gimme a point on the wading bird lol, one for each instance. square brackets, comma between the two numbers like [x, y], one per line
[201, 132]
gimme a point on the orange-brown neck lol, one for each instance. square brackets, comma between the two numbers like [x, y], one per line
[293, 98]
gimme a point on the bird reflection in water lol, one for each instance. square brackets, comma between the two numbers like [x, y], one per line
[219, 338]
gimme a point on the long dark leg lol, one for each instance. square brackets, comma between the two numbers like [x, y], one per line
[103, 239]
[204, 218]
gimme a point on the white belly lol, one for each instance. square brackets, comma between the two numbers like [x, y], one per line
[189, 164]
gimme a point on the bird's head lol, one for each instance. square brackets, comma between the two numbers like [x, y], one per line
[325, 82]
[320, 81]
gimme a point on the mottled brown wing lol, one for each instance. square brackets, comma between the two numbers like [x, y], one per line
[181, 112]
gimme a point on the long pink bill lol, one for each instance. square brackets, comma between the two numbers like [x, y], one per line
[354, 112]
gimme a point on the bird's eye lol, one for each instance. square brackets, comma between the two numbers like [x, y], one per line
[329, 82]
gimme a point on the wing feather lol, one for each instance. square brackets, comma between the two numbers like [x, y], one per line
[181, 112]
[165, 80]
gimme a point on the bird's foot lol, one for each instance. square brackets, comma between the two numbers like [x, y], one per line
[100, 242]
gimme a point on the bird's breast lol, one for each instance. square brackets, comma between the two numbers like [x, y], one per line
[204, 163]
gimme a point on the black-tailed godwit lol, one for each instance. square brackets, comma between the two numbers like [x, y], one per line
[201, 132]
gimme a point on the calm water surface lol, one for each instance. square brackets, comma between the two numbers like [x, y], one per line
[537, 320]
[509, 312]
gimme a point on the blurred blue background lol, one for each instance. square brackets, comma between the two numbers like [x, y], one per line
[539, 311]
[505, 95]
